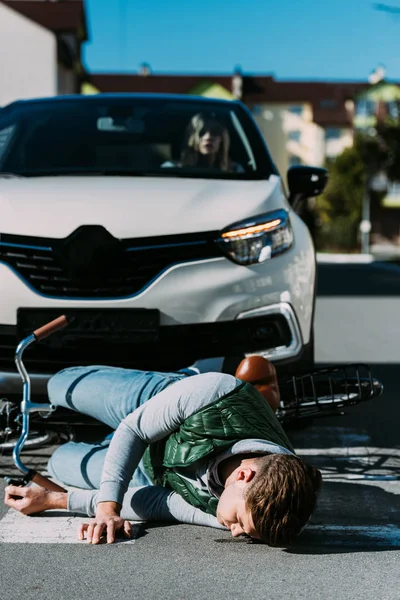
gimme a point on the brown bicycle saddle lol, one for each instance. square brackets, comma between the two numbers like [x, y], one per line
[261, 373]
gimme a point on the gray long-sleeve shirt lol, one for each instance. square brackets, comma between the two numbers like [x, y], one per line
[154, 420]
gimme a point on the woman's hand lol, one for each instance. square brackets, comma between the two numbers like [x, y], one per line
[107, 522]
[33, 499]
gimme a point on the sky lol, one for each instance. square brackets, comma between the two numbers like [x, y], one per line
[289, 39]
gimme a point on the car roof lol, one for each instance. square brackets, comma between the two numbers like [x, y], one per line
[189, 99]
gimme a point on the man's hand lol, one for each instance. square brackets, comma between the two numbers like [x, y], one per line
[104, 525]
[33, 499]
[107, 522]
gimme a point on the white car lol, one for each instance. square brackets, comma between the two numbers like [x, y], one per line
[160, 226]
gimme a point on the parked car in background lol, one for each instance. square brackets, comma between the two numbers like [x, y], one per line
[159, 225]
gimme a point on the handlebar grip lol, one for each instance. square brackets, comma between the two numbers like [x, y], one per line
[50, 328]
[46, 483]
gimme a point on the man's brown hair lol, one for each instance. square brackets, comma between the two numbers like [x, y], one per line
[282, 497]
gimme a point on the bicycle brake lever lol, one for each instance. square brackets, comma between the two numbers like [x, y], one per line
[20, 481]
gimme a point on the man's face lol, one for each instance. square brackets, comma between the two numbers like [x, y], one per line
[232, 511]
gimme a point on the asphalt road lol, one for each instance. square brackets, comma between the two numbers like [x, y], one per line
[351, 547]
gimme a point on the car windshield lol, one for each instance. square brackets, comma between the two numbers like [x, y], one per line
[132, 136]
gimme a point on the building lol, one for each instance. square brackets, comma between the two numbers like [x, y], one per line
[40, 48]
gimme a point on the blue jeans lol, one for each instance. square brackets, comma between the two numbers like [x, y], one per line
[108, 394]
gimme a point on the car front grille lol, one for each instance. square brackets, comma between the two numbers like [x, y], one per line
[41, 264]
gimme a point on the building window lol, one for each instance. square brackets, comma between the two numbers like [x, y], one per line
[393, 109]
[328, 103]
[258, 110]
[365, 108]
[294, 136]
[296, 109]
[332, 133]
[294, 160]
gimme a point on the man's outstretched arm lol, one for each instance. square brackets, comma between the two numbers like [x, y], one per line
[148, 503]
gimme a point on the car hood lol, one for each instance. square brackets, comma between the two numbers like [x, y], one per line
[131, 206]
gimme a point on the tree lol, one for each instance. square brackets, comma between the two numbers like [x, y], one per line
[339, 206]
[350, 173]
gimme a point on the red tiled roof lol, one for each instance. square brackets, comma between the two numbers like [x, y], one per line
[327, 98]
[60, 16]
[158, 84]
[256, 90]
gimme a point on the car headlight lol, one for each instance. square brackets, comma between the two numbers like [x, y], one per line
[257, 239]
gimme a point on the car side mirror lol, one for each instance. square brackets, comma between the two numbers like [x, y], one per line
[305, 182]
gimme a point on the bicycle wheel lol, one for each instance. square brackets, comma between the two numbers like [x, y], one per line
[36, 439]
[326, 391]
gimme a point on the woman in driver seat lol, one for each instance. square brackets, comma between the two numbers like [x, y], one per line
[207, 144]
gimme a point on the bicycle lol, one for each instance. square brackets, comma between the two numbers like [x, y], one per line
[306, 396]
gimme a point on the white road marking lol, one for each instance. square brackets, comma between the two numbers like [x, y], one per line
[379, 535]
[369, 451]
[53, 527]
[358, 463]
[344, 258]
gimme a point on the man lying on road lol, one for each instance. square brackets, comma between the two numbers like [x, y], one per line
[189, 447]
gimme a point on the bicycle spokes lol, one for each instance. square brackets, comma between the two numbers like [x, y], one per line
[326, 391]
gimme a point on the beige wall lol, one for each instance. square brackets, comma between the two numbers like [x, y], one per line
[276, 121]
[28, 58]
[335, 147]
[270, 121]
[310, 148]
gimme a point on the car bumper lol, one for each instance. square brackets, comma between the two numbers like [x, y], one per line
[271, 331]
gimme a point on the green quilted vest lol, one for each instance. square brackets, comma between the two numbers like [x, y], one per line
[240, 414]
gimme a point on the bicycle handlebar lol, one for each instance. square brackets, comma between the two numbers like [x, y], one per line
[50, 328]
[46, 483]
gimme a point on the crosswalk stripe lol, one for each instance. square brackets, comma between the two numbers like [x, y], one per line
[353, 535]
[53, 527]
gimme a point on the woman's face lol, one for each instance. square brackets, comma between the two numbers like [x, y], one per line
[210, 139]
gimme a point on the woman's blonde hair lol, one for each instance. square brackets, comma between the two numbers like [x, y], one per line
[198, 125]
